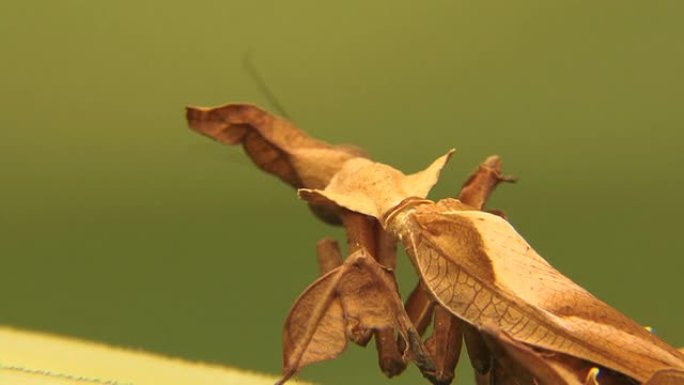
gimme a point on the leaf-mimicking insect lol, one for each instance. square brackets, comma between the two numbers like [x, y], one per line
[480, 282]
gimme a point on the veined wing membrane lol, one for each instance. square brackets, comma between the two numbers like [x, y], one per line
[480, 268]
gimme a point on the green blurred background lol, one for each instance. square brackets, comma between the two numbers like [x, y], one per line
[118, 224]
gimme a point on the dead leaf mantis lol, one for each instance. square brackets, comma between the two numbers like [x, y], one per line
[522, 321]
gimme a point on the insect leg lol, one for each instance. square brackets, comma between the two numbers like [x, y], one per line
[363, 232]
[477, 189]
[444, 345]
[480, 357]
[420, 307]
[328, 254]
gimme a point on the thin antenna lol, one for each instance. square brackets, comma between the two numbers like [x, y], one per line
[261, 83]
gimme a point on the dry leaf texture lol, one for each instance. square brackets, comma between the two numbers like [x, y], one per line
[276, 146]
[373, 188]
[273, 143]
[360, 295]
[482, 270]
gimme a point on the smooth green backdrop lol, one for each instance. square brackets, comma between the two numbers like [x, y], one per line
[118, 224]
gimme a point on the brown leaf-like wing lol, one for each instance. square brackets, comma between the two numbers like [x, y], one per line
[274, 144]
[374, 188]
[315, 326]
[480, 268]
[351, 299]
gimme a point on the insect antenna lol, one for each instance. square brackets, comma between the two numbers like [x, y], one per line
[261, 84]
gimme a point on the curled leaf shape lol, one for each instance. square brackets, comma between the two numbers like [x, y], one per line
[273, 143]
[276, 146]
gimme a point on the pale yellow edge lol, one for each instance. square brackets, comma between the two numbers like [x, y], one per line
[32, 358]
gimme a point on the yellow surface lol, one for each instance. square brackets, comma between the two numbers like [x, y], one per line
[28, 358]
